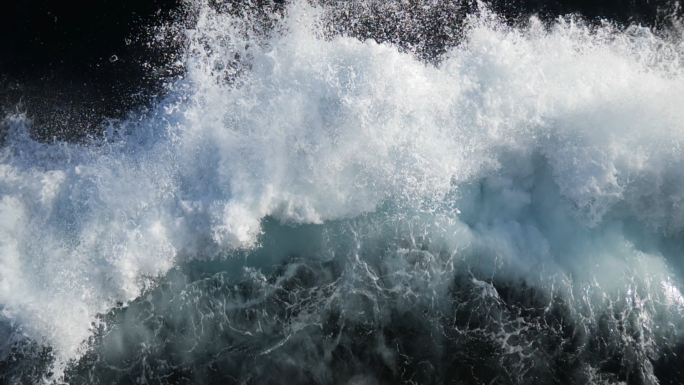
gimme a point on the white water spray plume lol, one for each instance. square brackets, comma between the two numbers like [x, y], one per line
[309, 207]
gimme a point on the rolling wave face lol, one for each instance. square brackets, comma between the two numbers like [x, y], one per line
[330, 210]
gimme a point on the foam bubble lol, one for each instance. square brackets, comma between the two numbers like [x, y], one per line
[543, 139]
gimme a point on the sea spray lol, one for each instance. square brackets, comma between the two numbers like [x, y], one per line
[326, 209]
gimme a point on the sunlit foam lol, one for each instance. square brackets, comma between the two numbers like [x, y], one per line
[523, 147]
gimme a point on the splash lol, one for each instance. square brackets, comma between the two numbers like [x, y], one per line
[511, 211]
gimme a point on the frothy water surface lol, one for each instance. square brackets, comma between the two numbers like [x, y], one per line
[330, 210]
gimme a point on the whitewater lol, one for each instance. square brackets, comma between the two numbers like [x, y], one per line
[323, 209]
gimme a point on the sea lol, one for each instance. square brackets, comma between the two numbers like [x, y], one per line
[362, 192]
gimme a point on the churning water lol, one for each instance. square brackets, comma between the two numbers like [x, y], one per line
[308, 207]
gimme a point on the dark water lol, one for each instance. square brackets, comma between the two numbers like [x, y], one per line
[342, 192]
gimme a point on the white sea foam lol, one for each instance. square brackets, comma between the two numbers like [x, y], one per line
[541, 137]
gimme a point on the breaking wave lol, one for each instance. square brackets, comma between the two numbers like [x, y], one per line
[311, 206]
